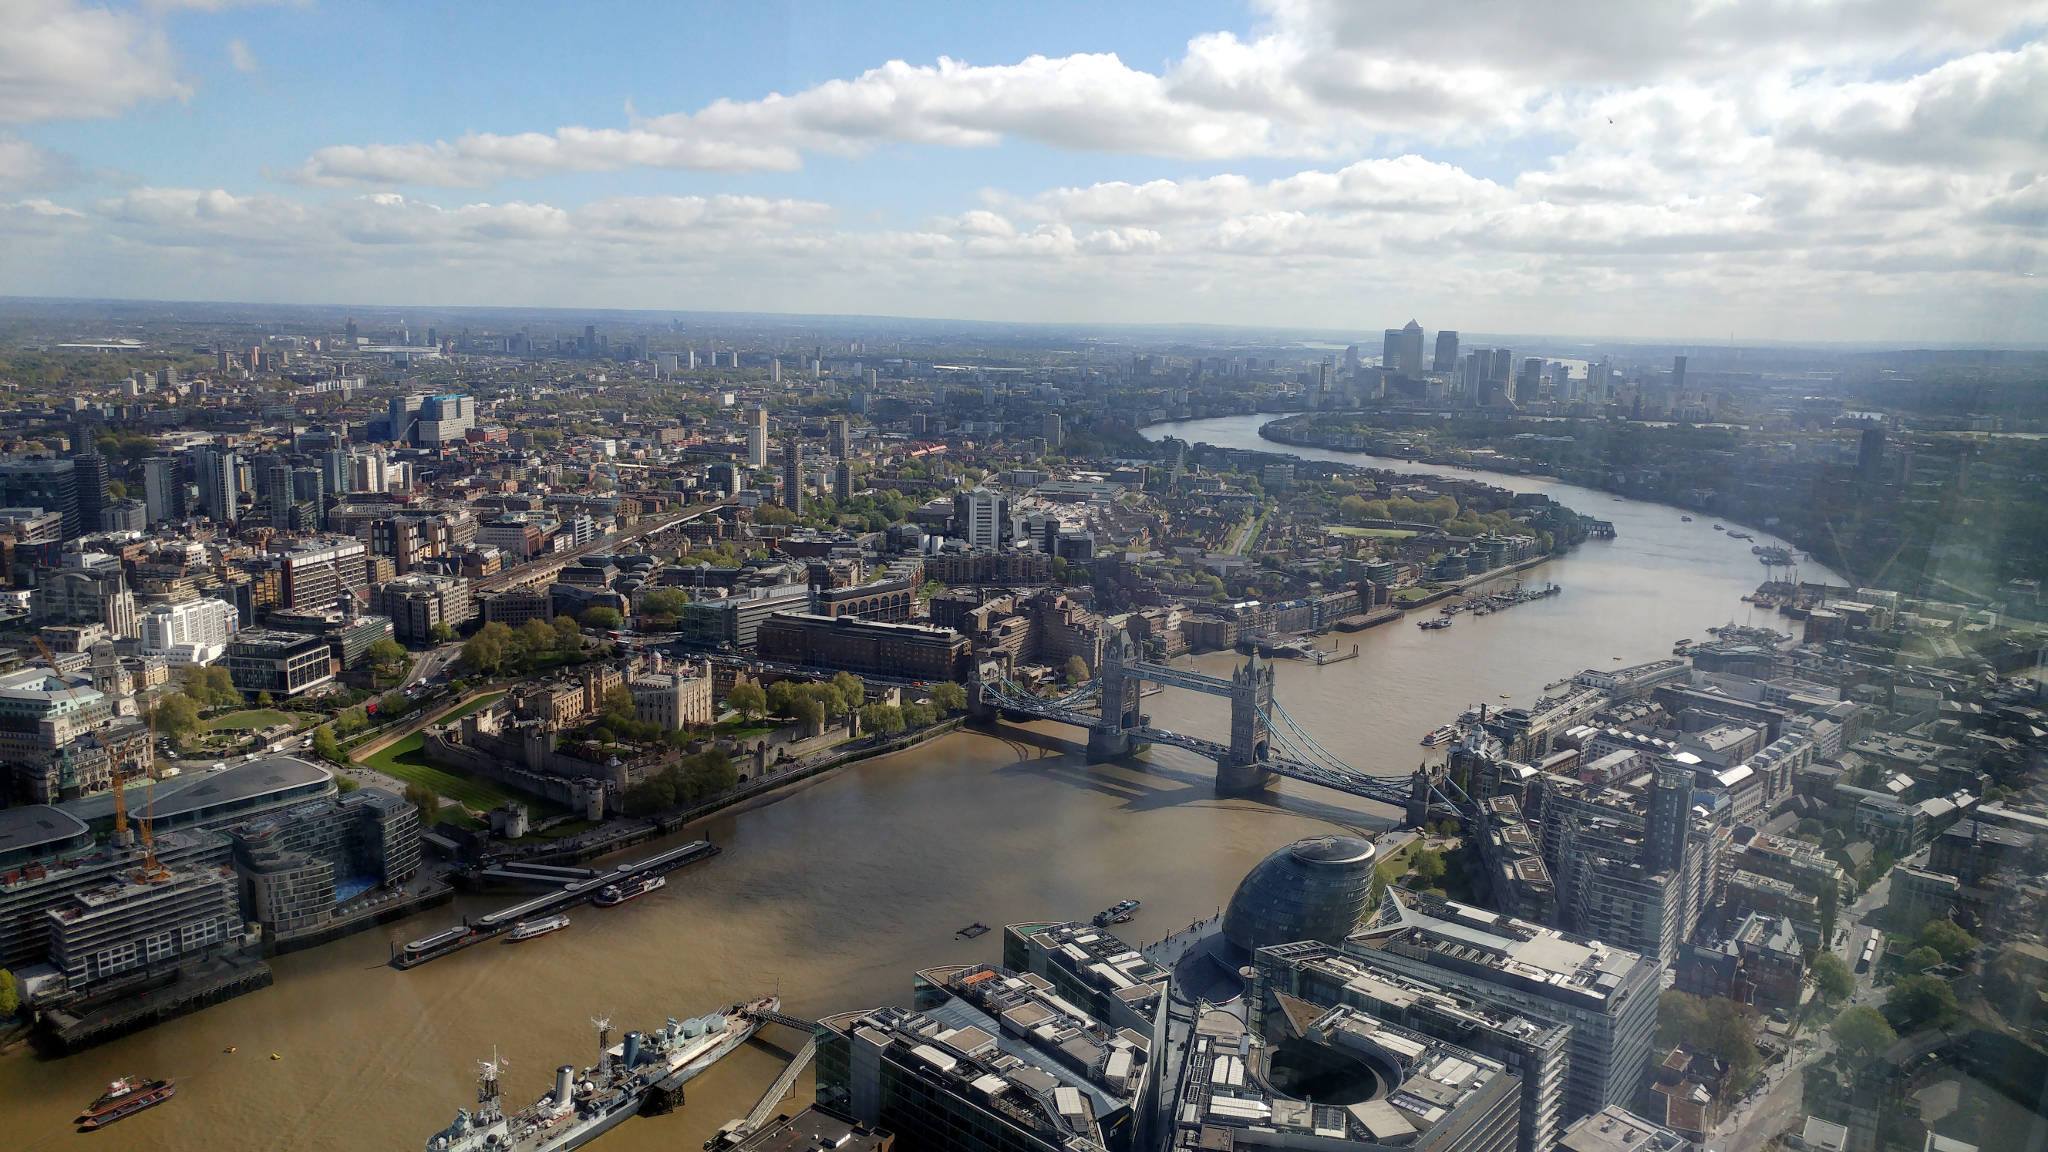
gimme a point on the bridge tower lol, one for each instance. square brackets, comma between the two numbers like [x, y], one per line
[1119, 696]
[1251, 700]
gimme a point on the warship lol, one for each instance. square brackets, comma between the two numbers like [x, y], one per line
[582, 1107]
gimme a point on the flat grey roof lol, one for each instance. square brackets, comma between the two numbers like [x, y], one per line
[32, 826]
[200, 790]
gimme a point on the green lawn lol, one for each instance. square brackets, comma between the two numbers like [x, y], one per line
[406, 759]
[1370, 533]
[1412, 594]
[250, 718]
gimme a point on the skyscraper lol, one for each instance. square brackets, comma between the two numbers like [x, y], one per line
[842, 481]
[793, 477]
[404, 413]
[1401, 352]
[1677, 374]
[90, 472]
[334, 470]
[1529, 384]
[757, 438]
[163, 488]
[219, 489]
[1446, 359]
[41, 482]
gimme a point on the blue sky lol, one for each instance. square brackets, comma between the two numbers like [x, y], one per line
[1607, 167]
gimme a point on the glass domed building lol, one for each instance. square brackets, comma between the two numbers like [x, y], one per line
[1313, 889]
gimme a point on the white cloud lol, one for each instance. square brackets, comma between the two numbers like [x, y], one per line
[61, 60]
[28, 167]
[240, 56]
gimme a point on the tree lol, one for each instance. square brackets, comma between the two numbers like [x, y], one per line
[1427, 864]
[1831, 977]
[618, 702]
[1713, 1025]
[1922, 999]
[809, 712]
[10, 996]
[386, 652]
[1944, 937]
[424, 798]
[1862, 1031]
[177, 716]
[568, 638]
[393, 703]
[346, 784]
[949, 697]
[263, 700]
[1077, 671]
[484, 652]
[211, 685]
[1830, 904]
[884, 719]
[441, 632]
[747, 699]
[851, 691]
[599, 616]
[1921, 959]
[536, 637]
[919, 716]
[325, 746]
[664, 602]
[350, 720]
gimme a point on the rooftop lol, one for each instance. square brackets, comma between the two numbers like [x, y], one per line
[31, 830]
[1565, 965]
[1614, 1129]
[202, 797]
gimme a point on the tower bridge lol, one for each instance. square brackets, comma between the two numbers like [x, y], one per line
[1264, 741]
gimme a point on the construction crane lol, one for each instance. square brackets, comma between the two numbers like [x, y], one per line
[153, 871]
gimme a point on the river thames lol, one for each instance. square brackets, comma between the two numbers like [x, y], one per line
[835, 891]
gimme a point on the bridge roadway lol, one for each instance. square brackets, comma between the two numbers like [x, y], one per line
[543, 567]
[1392, 790]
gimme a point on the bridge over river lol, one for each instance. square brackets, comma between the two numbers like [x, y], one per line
[1263, 742]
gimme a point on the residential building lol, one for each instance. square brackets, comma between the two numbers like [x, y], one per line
[734, 622]
[190, 631]
[163, 488]
[444, 418]
[129, 923]
[297, 864]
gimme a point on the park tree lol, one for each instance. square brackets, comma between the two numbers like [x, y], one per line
[1944, 937]
[325, 746]
[1427, 864]
[884, 719]
[949, 697]
[350, 720]
[1920, 959]
[809, 711]
[387, 652]
[1831, 977]
[263, 700]
[393, 703]
[664, 602]
[1922, 999]
[1077, 671]
[747, 699]
[1861, 1031]
[177, 716]
[485, 651]
[441, 632]
[1710, 1024]
[568, 637]
[918, 716]
[600, 616]
[423, 797]
[851, 691]
[10, 994]
[535, 637]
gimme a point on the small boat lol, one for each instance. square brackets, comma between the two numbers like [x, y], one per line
[971, 931]
[1686, 519]
[1439, 736]
[613, 895]
[1505, 696]
[1719, 528]
[1435, 625]
[528, 929]
[1117, 913]
[123, 1098]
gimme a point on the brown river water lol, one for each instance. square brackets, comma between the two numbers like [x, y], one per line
[835, 891]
